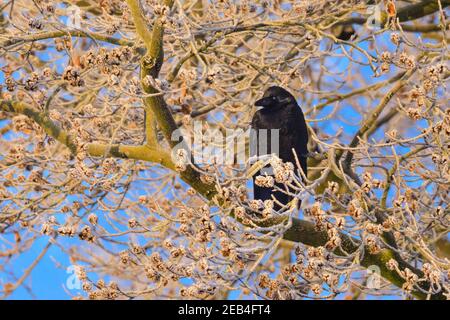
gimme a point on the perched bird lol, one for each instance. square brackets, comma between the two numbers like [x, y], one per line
[279, 110]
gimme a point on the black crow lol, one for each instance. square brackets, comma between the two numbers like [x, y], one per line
[279, 111]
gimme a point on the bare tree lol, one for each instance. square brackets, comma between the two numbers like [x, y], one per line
[99, 104]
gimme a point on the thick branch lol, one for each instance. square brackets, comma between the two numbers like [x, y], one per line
[145, 153]
[42, 119]
[150, 66]
[419, 10]
[154, 154]
[306, 233]
[406, 13]
[57, 34]
[139, 22]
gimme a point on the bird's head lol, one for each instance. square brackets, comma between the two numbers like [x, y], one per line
[275, 97]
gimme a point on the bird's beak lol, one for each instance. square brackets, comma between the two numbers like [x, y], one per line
[263, 102]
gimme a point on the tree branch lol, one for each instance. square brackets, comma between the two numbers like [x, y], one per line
[155, 154]
[305, 232]
[57, 34]
[145, 153]
[139, 22]
[41, 118]
[407, 13]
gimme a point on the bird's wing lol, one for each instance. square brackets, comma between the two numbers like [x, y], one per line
[301, 141]
[297, 135]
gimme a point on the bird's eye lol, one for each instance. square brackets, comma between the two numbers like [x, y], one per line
[274, 98]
